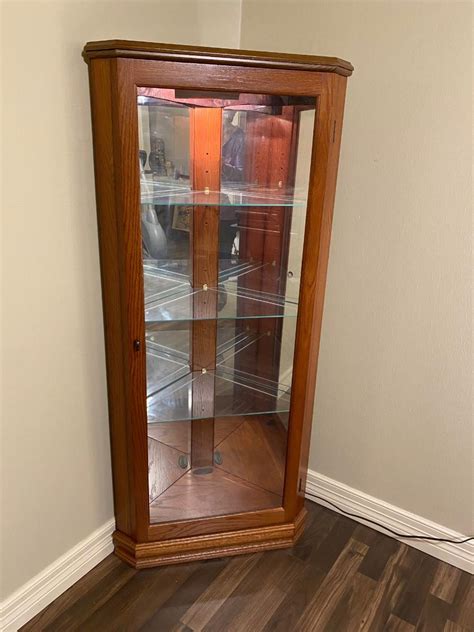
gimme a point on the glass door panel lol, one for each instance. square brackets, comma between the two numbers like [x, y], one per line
[224, 182]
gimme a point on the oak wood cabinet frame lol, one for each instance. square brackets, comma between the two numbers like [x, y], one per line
[116, 69]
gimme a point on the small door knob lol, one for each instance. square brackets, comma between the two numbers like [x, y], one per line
[136, 345]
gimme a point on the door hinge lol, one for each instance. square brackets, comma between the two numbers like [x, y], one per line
[334, 132]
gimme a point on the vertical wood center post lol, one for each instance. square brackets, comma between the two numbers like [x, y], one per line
[205, 130]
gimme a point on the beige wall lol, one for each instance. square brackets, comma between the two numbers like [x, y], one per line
[393, 416]
[56, 481]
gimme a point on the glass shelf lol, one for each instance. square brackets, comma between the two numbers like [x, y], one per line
[167, 192]
[233, 394]
[170, 297]
[179, 394]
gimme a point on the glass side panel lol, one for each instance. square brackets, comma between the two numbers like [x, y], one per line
[224, 181]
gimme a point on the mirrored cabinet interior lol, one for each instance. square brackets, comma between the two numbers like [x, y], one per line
[215, 181]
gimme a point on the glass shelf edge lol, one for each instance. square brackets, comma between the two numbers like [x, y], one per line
[218, 318]
[210, 202]
[217, 416]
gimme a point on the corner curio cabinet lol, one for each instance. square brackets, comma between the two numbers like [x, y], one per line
[215, 180]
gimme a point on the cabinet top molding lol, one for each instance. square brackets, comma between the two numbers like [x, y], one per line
[229, 56]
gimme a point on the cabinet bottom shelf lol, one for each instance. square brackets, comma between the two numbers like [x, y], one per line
[201, 547]
[247, 474]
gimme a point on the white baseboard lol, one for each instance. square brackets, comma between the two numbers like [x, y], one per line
[32, 597]
[357, 502]
[39, 592]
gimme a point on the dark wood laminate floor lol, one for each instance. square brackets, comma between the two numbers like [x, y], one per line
[340, 577]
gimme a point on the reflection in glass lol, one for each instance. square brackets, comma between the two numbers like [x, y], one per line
[223, 182]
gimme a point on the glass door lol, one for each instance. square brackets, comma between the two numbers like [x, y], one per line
[224, 180]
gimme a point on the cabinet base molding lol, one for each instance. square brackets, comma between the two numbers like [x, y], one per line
[180, 550]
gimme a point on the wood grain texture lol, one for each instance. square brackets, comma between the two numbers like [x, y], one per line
[168, 618]
[216, 524]
[376, 559]
[322, 188]
[195, 76]
[411, 603]
[163, 467]
[270, 161]
[253, 603]
[202, 445]
[205, 132]
[93, 600]
[353, 604]
[179, 52]
[249, 476]
[462, 609]
[100, 80]
[197, 495]
[95, 586]
[450, 626]
[268, 593]
[256, 452]
[224, 426]
[137, 600]
[129, 261]
[202, 547]
[324, 602]
[445, 582]
[433, 615]
[210, 601]
[114, 84]
[388, 591]
[394, 624]
[176, 434]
